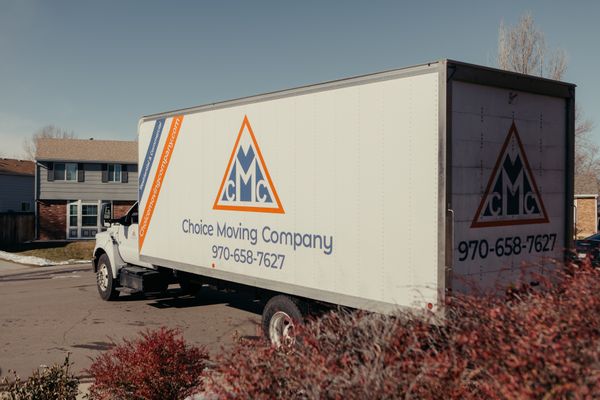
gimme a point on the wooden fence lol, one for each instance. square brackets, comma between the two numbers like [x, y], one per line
[16, 227]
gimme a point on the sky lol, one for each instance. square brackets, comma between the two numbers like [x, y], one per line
[96, 67]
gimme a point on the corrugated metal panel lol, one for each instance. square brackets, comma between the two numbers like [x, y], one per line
[508, 184]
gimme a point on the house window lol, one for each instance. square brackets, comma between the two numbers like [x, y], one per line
[73, 214]
[82, 219]
[89, 215]
[114, 172]
[65, 172]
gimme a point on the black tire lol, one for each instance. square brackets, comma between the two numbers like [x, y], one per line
[166, 276]
[281, 315]
[163, 288]
[107, 286]
[189, 283]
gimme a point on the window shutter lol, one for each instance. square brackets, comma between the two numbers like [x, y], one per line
[50, 172]
[124, 173]
[104, 173]
[80, 173]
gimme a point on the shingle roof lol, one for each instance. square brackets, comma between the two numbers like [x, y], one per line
[86, 150]
[586, 184]
[8, 166]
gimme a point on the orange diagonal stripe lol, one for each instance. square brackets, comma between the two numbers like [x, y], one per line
[161, 171]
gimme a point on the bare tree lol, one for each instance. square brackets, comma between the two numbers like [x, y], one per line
[47, 132]
[587, 161]
[522, 48]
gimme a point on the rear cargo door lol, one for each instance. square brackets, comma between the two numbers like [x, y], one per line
[508, 185]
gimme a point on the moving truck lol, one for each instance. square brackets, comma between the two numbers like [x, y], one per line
[378, 192]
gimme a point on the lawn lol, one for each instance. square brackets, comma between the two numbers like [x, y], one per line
[54, 251]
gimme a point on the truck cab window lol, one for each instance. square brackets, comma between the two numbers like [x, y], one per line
[133, 214]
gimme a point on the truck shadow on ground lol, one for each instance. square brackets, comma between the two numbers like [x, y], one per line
[176, 298]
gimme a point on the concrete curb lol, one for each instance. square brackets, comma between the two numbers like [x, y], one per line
[84, 386]
[26, 270]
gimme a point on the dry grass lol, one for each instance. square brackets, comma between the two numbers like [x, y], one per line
[55, 251]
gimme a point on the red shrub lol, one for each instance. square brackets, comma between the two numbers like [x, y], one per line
[157, 366]
[543, 344]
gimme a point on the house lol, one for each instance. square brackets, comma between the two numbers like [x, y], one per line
[17, 183]
[75, 177]
[586, 205]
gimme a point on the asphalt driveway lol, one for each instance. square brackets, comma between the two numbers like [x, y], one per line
[47, 312]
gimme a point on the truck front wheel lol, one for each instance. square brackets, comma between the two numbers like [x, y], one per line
[107, 286]
[280, 319]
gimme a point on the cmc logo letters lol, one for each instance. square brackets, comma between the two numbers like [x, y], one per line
[247, 185]
[512, 193]
[511, 196]
[246, 182]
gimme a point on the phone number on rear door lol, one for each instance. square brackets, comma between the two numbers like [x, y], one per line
[506, 246]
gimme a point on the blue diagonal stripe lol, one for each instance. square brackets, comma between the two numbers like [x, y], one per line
[145, 171]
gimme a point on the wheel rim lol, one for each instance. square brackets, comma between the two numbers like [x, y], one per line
[102, 277]
[281, 330]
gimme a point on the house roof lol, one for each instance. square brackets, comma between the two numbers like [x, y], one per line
[586, 184]
[9, 166]
[86, 150]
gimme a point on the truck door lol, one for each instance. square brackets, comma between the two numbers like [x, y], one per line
[509, 177]
[127, 238]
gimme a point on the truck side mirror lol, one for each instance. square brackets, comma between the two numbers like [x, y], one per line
[125, 220]
[105, 215]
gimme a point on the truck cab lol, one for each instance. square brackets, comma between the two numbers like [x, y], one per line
[116, 259]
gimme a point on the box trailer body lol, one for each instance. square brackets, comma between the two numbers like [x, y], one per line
[377, 192]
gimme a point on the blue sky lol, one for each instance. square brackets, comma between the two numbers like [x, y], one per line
[96, 67]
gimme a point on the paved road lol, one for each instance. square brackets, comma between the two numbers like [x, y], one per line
[7, 267]
[46, 312]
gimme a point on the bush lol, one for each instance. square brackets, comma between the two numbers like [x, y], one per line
[49, 383]
[157, 366]
[543, 344]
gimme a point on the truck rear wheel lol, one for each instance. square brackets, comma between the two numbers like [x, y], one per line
[107, 286]
[280, 320]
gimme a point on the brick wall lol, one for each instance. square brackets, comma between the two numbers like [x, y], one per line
[52, 219]
[587, 218]
[120, 208]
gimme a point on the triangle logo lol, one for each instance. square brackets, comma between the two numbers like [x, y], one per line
[512, 196]
[247, 184]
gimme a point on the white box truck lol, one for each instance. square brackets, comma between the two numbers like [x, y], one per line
[377, 192]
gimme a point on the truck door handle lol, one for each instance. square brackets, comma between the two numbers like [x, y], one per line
[449, 238]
